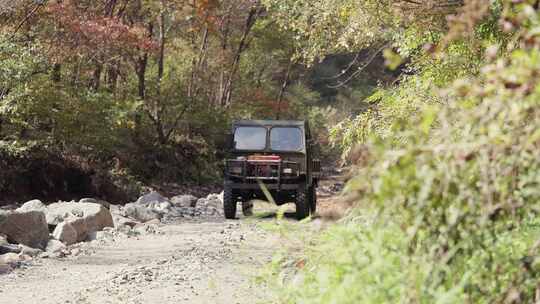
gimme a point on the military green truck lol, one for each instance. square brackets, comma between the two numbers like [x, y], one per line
[271, 157]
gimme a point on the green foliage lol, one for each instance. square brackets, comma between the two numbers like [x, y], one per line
[18, 63]
[328, 26]
[447, 181]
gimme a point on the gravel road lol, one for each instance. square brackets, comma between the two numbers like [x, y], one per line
[210, 261]
[196, 259]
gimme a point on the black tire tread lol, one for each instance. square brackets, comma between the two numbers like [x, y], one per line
[302, 203]
[313, 199]
[229, 204]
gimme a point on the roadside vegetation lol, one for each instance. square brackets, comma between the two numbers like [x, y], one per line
[114, 95]
[446, 158]
[434, 104]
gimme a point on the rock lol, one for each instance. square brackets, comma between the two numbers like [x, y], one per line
[161, 208]
[33, 205]
[125, 229]
[10, 258]
[140, 213]
[32, 252]
[152, 197]
[88, 200]
[5, 268]
[153, 222]
[100, 235]
[84, 218]
[184, 201]
[211, 201]
[9, 248]
[55, 246]
[220, 195]
[28, 228]
[123, 221]
[3, 217]
[65, 233]
[58, 212]
[96, 201]
[6, 247]
[55, 219]
[201, 202]
[215, 197]
[145, 229]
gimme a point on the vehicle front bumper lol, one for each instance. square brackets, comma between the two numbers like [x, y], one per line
[256, 186]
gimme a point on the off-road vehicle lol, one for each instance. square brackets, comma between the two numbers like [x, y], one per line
[272, 156]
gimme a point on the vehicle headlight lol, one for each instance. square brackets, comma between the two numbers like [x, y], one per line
[288, 170]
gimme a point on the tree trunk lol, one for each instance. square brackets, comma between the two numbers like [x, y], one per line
[112, 75]
[254, 13]
[96, 78]
[284, 87]
[57, 72]
[161, 58]
[142, 63]
[161, 65]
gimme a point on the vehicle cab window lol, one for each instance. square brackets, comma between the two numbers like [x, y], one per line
[288, 139]
[250, 138]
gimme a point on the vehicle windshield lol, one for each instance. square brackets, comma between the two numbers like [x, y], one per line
[286, 139]
[250, 138]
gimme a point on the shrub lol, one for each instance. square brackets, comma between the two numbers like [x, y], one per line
[447, 212]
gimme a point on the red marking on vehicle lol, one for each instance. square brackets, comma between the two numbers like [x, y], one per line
[270, 158]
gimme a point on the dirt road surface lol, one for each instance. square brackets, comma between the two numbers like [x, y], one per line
[198, 262]
[203, 260]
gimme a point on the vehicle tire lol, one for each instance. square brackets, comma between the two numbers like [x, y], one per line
[229, 203]
[313, 199]
[302, 203]
[247, 208]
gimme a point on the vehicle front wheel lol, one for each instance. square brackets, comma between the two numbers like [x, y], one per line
[313, 199]
[302, 203]
[229, 203]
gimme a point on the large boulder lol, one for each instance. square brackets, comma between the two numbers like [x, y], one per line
[84, 218]
[65, 233]
[27, 228]
[58, 212]
[140, 212]
[33, 205]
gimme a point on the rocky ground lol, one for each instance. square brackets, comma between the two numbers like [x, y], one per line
[155, 250]
[205, 262]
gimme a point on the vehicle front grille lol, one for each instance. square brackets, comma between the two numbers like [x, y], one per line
[263, 170]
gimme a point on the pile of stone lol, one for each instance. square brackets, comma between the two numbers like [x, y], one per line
[154, 206]
[38, 230]
[57, 230]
